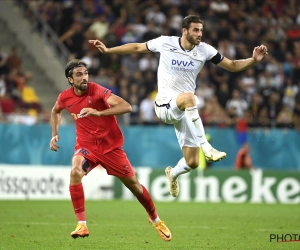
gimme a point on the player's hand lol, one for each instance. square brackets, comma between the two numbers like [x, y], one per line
[89, 111]
[99, 45]
[259, 52]
[53, 145]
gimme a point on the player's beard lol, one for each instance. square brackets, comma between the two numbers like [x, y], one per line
[192, 40]
[81, 87]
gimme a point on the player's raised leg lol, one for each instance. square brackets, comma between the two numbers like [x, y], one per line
[188, 102]
[211, 154]
[77, 195]
[143, 196]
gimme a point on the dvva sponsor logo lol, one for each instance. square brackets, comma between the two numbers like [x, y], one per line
[182, 63]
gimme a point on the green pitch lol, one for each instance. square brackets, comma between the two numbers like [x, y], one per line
[124, 225]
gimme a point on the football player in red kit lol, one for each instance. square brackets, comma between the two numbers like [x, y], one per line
[99, 141]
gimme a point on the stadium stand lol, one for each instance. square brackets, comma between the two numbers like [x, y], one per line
[21, 78]
[265, 96]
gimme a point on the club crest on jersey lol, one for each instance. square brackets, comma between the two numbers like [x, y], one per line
[89, 102]
[195, 53]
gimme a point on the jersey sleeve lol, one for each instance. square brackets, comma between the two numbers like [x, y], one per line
[59, 102]
[213, 55]
[155, 45]
[101, 92]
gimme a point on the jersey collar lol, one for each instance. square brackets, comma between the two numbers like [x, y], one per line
[179, 41]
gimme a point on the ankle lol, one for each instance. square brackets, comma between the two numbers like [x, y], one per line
[206, 147]
[155, 220]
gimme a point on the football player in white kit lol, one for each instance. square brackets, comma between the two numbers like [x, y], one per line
[181, 59]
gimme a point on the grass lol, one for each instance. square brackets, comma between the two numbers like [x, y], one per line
[123, 225]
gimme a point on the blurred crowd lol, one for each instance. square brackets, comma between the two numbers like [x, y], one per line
[266, 95]
[19, 102]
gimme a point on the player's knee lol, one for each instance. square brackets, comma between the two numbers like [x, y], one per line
[76, 172]
[193, 163]
[190, 100]
[186, 100]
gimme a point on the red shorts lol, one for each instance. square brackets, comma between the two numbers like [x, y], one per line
[115, 162]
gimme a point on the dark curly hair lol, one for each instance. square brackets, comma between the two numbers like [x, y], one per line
[186, 22]
[72, 65]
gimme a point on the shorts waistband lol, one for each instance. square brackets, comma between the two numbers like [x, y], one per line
[167, 105]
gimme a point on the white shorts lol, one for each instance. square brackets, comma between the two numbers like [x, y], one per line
[167, 111]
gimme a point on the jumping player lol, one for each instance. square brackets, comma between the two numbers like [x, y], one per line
[181, 59]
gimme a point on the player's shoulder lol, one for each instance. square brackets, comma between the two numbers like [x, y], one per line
[65, 93]
[95, 86]
[95, 89]
[170, 42]
[168, 38]
[173, 39]
[204, 45]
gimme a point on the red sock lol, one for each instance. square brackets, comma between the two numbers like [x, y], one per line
[146, 201]
[77, 197]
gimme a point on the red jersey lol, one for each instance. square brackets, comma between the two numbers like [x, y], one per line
[103, 131]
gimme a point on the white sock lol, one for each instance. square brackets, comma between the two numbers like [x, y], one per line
[193, 116]
[82, 222]
[180, 168]
[156, 220]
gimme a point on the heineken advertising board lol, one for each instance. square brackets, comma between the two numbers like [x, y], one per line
[254, 186]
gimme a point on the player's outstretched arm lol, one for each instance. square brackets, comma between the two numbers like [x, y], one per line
[128, 48]
[55, 122]
[118, 106]
[259, 53]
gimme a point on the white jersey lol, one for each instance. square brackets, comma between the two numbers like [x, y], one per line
[178, 68]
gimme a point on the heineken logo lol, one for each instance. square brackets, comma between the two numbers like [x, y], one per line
[222, 186]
